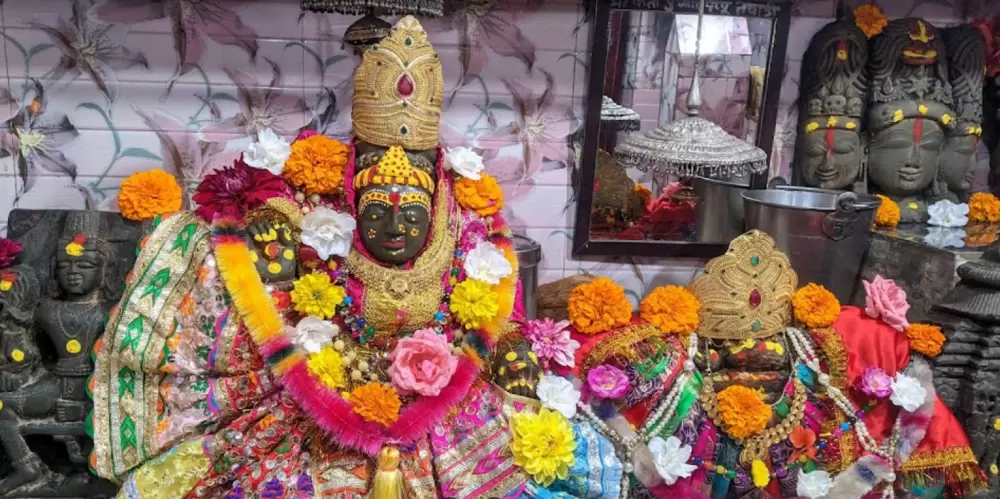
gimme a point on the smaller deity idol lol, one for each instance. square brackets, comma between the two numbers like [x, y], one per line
[910, 112]
[966, 53]
[19, 356]
[72, 319]
[834, 82]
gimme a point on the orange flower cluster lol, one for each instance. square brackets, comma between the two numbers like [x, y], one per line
[145, 195]
[926, 339]
[984, 207]
[483, 196]
[672, 309]
[316, 165]
[743, 412]
[599, 306]
[644, 194]
[376, 402]
[815, 306]
[870, 18]
[887, 214]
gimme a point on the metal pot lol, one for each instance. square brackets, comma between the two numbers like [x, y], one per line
[824, 233]
[529, 253]
[719, 212]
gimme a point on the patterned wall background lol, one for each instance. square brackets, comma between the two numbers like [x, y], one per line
[97, 90]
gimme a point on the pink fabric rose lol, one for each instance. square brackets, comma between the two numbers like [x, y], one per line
[875, 383]
[551, 341]
[422, 363]
[886, 301]
[608, 382]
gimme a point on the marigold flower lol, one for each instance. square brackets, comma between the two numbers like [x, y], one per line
[474, 302]
[815, 306]
[742, 411]
[984, 207]
[599, 306]
[328, 366]
[672, 309]
[926, 339]
[314, 294]
[645, 195]
[870, 18]
[376, 402]
[887, 214]
[145, 195]
[317, 164]
[483, 196]
[543, 445]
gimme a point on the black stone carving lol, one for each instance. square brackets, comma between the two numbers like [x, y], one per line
[72, 271]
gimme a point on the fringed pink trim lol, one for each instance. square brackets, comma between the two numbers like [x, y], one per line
[274, 346]
[337, 417]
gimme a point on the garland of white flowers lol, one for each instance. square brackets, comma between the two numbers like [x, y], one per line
[667, 407]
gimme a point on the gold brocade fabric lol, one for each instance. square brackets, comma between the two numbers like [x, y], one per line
[170, 476]
[407, 299]
[399, 90]
[747, 292]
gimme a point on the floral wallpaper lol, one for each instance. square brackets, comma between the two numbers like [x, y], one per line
[96, 90]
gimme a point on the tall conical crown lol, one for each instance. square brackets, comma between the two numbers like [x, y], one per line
[398, 90]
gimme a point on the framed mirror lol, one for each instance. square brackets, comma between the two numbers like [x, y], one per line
[646, 57]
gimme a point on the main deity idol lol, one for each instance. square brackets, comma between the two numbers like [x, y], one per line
[325, 323]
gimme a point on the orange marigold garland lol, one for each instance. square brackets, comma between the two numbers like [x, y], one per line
[645, 195]
[145, 195]
[376, 402]
[887, 214]
[672, 309]
[926, 339]
[984, 207]
[870, 18]
[742, 411]
[599, 306]
[316, 165]
[483, 196]
[815, 306]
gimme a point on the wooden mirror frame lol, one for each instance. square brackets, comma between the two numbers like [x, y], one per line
[779, 11]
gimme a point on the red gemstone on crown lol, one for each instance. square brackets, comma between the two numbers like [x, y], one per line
[755, 299]
[405, 86]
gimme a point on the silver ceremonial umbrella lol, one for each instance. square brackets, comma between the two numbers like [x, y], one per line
[692, 146]
[618, 117]
[432, 8]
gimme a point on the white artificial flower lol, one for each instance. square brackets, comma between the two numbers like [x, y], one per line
[328, 232]
[465, 162]
[944, 213]
[487, 263]
[269, 152]
[814, 484]
[945, 237]
[312, 333]
[558, 394]
[671, 459]
[907, 392]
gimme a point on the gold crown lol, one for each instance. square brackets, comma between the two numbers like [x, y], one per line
[747, 292]
[394, 169]
[399, 89]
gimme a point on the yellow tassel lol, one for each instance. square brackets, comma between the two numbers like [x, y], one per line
[388, 483]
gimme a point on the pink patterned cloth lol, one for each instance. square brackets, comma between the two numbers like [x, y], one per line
[886, 301]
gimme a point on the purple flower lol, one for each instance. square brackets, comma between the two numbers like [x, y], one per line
[608, 382]
[551, 342]
[91, 48]
[261, 107]
[874, 382]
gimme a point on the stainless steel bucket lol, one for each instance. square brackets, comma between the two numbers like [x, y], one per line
[529, 253]
[824, 233]
[719, 212]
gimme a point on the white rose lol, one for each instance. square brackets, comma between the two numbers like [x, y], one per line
[269, 152]
[465, 162]
[558, 394]
[814, 484]
[487, 263]
[945, 237]
[907, 392]
[328, 232]
[312, 333]
[671, 459]
[944, 213]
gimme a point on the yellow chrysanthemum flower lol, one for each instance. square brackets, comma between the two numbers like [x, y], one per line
[328, 366]
[314, 294]
[543, 445]
[474, 302]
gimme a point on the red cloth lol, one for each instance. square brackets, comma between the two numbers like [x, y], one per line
[869, 342]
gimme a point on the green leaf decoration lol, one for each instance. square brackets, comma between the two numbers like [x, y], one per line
[155, 286]
[183, 240]
[127, 432]
[126, 381]
[132, 334]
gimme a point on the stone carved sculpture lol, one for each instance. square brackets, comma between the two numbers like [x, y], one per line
[966, 51]
[967, 373]
[830, 150]
[910, 112]
[49, 328]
